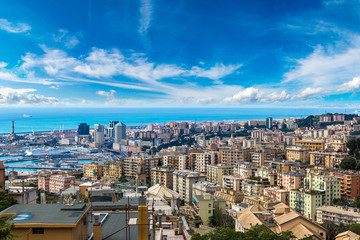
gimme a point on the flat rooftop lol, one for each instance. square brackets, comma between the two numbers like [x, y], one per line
[46, 213]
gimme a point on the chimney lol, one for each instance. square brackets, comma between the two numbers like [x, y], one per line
[143, 223]
[97, 228]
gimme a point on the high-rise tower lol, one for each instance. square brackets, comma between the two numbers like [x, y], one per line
[120, 132]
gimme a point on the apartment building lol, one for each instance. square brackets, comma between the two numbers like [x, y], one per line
[305, 201]
[291, 180]
[350, 183]
[60, 182]
[268, 173]
[183, 181]
[338, 215]
[244, 169]
[331, 186]
[216, 172]
[314, 145]
[298, 153]
[231, 182]
[131, 163]
[326, 158]
[230, 156]
[177, 162]
[205, 205]
[43, 182]
[113, 170]
[201, 188]
[254, 186]
[163, 176]
[200, 160]
[93, 171]
[277, 193]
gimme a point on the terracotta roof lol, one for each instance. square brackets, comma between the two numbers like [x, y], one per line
[348, 235]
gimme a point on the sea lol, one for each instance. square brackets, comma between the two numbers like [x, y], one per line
[48, 119]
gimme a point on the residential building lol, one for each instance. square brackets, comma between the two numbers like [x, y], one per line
[325, 119]
[244, 169]
[280, 218]
[216, 172]
[305, 201]
[22, 194]
[58, 183]
[113, 170]
[277, 193]
[326, 158]
[231, 182]
[230, 196]
[201, 188]
[291, 180]
[338, 215]
[200, 160]
[269, 122]
[183, 181]
[298, 153]
[230, 156]
[49, 221]
[163, 176]
[314, 145]
[350, 183]
[254, 186]
[347, 235]
[93, 171]
[43, 182]
[177, 162]
[130, 166]
[205, 206]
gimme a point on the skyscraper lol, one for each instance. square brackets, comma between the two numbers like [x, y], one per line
[111, 128]
[269, 122]
[83, 129]
[99, 137]
[120, 132]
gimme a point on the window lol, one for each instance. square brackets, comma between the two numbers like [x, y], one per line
[38, 231]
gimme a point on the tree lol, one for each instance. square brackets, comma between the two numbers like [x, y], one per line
[355, 228]
[159, 163]
[348, 163]
[352, 145]
[6, 201]
[221, 219]
[5, 229]
[333, 229]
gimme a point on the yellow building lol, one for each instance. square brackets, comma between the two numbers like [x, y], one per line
[93, 170]
[113, 169]
[206, 204]
[163, 176]
[49, 221]
[314, 145]
[177, 162]
[297, 153]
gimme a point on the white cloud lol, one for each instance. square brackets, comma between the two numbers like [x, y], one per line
[216, 72]
[24, 96]
[351, 86]
[3, 64]
[145, 16]
[70, 41]
[250, 94]
[309, 92]
[13, 27]
[110, 97]
[325, 67]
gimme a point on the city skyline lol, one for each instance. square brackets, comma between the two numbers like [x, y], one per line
[180, 54]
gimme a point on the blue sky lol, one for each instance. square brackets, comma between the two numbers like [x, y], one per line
[180, 53]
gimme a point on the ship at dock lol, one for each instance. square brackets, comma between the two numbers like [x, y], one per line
[46, 151]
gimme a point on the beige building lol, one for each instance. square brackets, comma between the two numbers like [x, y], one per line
[130, 166]
[93, 171]
[201, 160]
[326, 158]
[183, 181]
[298, 153]
[231, 182]
[338, 215]
[216, 172]
[43, 182]
[163, 176]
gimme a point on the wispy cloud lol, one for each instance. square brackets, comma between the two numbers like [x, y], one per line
[13, 27]
[63, 36]
[146, 10]
[110, 97]
[216, 72]
[24, 96]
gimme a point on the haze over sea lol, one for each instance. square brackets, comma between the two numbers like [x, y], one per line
[43, 119]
